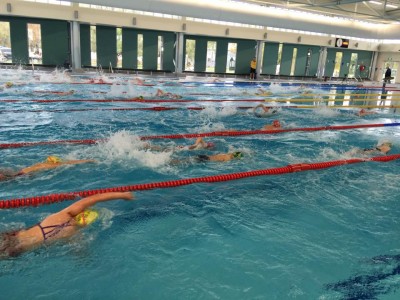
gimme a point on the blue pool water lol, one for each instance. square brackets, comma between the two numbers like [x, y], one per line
[327, 234]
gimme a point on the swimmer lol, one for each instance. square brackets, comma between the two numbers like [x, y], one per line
[266, 111]
[382, 148]
[137, 81]
[222, 157]
[8, 84]
[276, 125]
[162, 94]
[50, 163]
[58, 226]
[201, 144]
[262, 92]
[364, 112]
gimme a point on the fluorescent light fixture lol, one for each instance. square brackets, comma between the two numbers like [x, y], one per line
[391, 6]
[375, 2]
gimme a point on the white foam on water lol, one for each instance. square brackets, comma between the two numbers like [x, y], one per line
[124, 145]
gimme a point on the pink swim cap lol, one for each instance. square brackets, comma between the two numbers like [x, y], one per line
[210, 145]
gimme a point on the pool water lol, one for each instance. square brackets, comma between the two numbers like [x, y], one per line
[326, 234]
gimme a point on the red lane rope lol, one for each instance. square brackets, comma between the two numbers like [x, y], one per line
[195, 135]
[53, 198]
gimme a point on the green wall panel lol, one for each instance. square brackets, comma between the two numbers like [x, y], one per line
[246, 50]
[270, 58]
[200, 55]
[19, 41]
[85, 44]
[55, 42]
[129, 48]
[301, 60]
[221, 56]
[286, 60]
[150, 50]
[314, 61]
[106, 44]
[169, 51]
[330, 62]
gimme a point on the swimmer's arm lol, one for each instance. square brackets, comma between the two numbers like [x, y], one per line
[75, 162]
[79, 206]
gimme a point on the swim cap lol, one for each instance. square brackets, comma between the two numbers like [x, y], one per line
[53, 159]
[237, 154]
[9, 84]
[86, 217]
[362, 110]
[276, 123]
[210, 145]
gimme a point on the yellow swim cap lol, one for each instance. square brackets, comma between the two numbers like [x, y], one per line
[53, 159]
[86, 217]
[9, 84]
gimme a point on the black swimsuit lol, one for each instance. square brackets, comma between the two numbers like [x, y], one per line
[202, 158]
[54, 229]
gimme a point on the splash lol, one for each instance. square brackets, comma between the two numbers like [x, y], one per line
[124, 145]
[214, 113]
[326, 111]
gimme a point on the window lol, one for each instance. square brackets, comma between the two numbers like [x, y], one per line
[140, 51]
[160, 52]
[119, 47]
[338, 63]
[211, 53]
[293, 66]
[34, 43]
[278, 63]
[352, 66]
[5, 43]
[190, 54]
[93, 46]
[231, 61]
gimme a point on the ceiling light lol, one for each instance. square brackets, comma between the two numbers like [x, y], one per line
[391, 6]
[375, 2]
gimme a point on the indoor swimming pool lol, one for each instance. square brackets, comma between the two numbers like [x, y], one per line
[324, 234]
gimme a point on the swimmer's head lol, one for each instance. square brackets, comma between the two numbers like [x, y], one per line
[8, 84]
[141, 97]
[276, 123]
[388, 144]
[237, 154]
[362, 111]
[210, 145]
[53, 159]
[86, 217]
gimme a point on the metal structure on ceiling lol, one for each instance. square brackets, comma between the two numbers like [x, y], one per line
[375, 11]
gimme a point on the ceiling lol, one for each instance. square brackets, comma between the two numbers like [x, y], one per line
[377, 11]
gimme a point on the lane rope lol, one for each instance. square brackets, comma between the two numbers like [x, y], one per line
[54, 198]
[206, 134]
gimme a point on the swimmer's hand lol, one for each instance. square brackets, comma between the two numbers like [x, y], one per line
[127, 196]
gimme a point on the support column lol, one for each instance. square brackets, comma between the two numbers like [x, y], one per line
[75, 46]
[179, 53]
[323, 53]
[259, 52]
